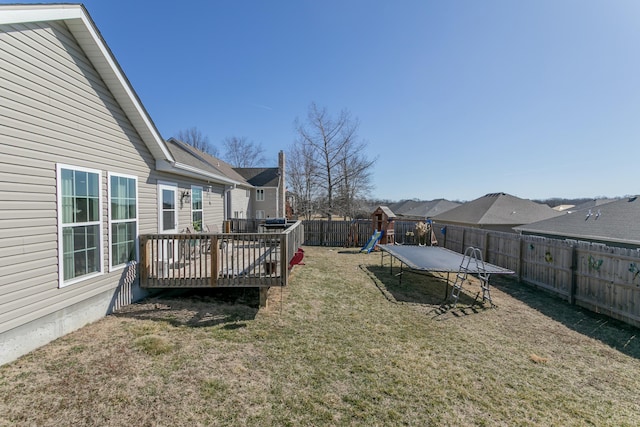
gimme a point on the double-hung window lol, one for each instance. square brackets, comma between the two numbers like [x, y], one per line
[79, 223]
[196, 208]
[123, 219]
[260, 195]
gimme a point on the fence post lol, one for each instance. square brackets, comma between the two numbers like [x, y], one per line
[485, 246]
[462, 241]
[574, 275]
[284, 260]
[144, 257]
[520, 257]
[444, 237]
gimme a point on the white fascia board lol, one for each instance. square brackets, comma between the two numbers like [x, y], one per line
[88, 37]
[190, 171]
[19, 14]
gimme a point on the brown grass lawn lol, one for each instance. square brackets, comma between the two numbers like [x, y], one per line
[344, 344]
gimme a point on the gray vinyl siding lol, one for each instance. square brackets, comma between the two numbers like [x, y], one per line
[56, 109]
[240, 202]
[212, 203]
[269, 205]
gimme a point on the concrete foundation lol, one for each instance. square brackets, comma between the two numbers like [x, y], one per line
[28, 337]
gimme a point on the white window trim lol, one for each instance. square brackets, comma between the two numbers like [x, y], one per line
[260, 216]
[61, 282]
[159, 202]
[110, 222]
[197, 187]
[260, 191]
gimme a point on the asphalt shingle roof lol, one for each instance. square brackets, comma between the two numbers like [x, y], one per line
[590, 204]
[404, 206]
[617, 221]
[260, 177]
[497, 209]
[187, 154]
[430, 209]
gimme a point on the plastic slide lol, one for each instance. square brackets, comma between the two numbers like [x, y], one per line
[373, 240]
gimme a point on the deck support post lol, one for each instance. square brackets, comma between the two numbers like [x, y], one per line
[264, 291]
[144, 260]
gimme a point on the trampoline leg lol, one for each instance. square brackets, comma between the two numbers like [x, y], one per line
[446, 288]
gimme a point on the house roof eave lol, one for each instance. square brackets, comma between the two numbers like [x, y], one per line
[191, 172]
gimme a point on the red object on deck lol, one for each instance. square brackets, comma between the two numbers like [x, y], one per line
[297, 258]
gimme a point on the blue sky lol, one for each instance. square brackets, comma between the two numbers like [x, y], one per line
[535, 98]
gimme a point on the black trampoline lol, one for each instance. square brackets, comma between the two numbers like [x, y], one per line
[434, 259]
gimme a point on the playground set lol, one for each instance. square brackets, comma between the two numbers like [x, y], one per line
[382, 221]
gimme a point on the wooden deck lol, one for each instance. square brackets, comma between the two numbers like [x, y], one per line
[218, 260]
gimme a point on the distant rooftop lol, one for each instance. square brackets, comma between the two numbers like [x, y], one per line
[615, 223]
[497, 209]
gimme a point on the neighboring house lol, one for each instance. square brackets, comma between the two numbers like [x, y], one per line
[428, 209]
[268, 195]
[84, 172]
[496, 211]
[403, 206]
[614, 224]
[251, 193]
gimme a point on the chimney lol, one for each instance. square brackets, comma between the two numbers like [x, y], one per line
[282, 187]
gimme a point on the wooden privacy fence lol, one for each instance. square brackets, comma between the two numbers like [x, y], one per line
[337, 233]
[601, 278]
[352, 233]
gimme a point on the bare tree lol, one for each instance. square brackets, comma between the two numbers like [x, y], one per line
[195, 138]
[340, 167]
[301, 178]
[241, 153]
[355, 179]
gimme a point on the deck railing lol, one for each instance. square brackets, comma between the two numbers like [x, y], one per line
[218, 260]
